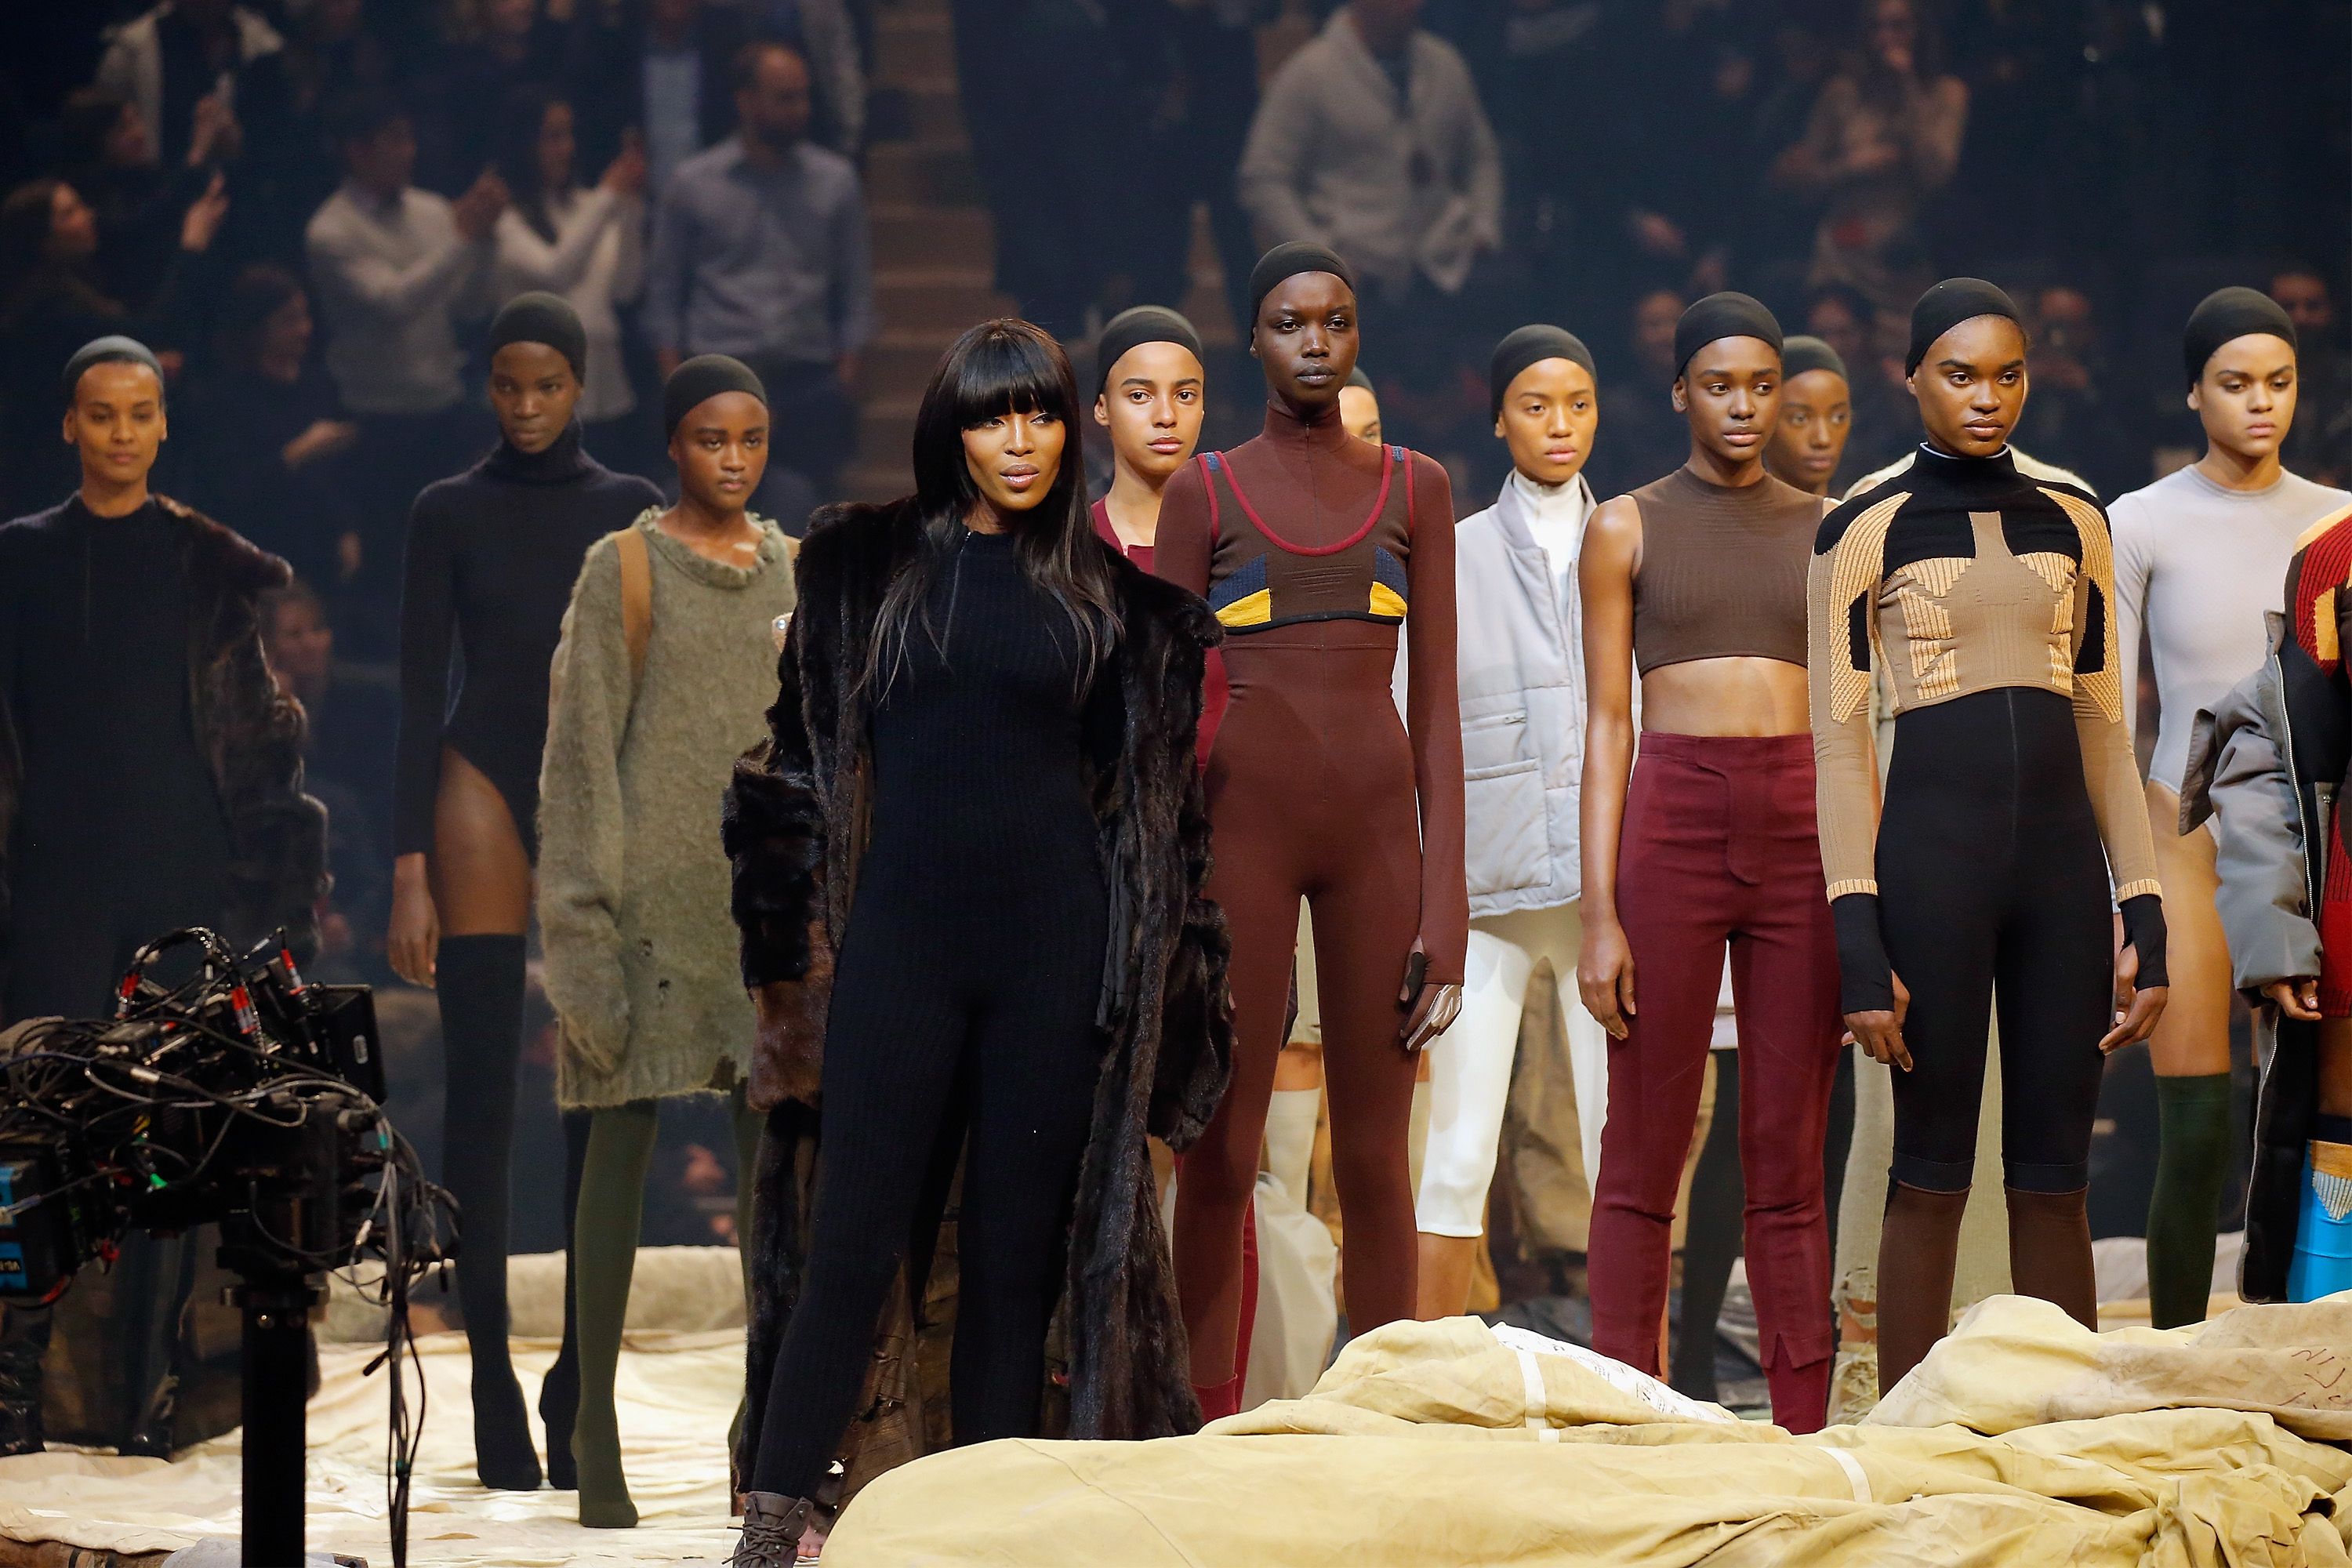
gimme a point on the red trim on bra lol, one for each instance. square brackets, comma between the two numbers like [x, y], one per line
[1379, 503]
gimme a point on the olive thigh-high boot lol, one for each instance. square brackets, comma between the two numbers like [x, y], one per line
[604, 1246]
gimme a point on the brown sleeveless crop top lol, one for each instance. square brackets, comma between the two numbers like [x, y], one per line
[1723, 571]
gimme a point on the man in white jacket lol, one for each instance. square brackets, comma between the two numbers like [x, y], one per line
[1521, 671]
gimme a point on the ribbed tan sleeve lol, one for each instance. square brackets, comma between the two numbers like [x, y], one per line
[1841, 636]
[2110, 771]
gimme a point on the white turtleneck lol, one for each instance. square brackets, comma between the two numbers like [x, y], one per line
[1555, 515]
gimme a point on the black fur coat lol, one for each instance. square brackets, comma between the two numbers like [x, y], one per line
[795, 824]
[250, 728]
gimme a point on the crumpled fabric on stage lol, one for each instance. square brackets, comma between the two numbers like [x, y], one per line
[2022, 1439]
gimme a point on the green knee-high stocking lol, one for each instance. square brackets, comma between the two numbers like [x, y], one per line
[749, 1124]
[2184, 1211]
[605, 1240]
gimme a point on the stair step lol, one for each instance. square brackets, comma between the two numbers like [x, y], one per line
[922, 173]
[914, 236]
[913, 41]
[940, 306]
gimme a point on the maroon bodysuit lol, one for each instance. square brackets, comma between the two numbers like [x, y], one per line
[1314, 547]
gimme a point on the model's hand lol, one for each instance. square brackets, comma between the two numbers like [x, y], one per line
[1432, 1012]
[413, 942]
[1604, 976]
[2136, 1008]
[1880, 1032]
[2299, 999]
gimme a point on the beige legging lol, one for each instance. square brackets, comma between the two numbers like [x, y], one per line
[2192, 1038]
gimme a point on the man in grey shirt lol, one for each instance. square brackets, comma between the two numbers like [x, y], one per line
[760, 251]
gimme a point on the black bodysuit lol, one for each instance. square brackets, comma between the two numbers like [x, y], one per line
[964, 994]
[492, 555]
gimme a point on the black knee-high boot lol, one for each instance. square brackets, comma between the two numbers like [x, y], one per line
[481, 980]
[559, 1394]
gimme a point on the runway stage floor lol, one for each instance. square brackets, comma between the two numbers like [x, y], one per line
[678, 1393]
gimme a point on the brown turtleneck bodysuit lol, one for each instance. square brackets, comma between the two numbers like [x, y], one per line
[1314, 547]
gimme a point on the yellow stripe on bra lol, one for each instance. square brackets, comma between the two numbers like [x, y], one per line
[1249, 610]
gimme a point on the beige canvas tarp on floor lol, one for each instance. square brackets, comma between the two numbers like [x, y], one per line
[2024, 1439]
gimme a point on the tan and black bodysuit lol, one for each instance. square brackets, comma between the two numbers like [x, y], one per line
[1314, 548]
[2011, 801]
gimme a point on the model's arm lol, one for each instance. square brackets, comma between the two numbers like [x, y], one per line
[1841, 620]
[580, 829]
[1270, 174]
[527, 261]
[427, 621]
[1188, 531]
[1604, 585]
[2111, 775]
[2133, 529]
[1433, 718]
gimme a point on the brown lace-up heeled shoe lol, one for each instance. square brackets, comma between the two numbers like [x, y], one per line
[772, 1525]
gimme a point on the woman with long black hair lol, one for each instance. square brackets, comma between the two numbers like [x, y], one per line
[985, 726]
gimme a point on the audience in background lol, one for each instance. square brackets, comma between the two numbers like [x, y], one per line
[1371, 139]
[760, 251]
[585, 244]
[189, 65]
[396, 267]
[1884, 137]
[2319, 445]
[2075, 408]
[263, 436]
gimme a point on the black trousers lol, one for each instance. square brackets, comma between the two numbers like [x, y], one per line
[1992, 883]
[930, 1028]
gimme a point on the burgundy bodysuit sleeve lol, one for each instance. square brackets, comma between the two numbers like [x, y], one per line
[1181, 551]
[1433, 718]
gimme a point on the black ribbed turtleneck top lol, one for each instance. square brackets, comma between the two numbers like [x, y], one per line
[492, 555]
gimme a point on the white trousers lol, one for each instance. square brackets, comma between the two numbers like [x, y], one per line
[1470, 1064]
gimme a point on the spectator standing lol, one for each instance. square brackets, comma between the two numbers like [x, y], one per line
[2071, 419]
[109, 159]
[396, 266]
[2319, 444]
[351, 725]
[51, 302]
[1883, 137]
[822, 31]
[513, 46]
[760, 252]
[1371, 139]
[1646, 437]
[666, 73]
[584, 243]
[184, 55]
[266, 438]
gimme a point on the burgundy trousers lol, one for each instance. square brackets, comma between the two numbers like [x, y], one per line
[1718, 849]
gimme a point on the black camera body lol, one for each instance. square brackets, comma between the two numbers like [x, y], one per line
[244, 1097]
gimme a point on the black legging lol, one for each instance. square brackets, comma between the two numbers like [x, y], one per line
[1992, 883]
[1002, 1035]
